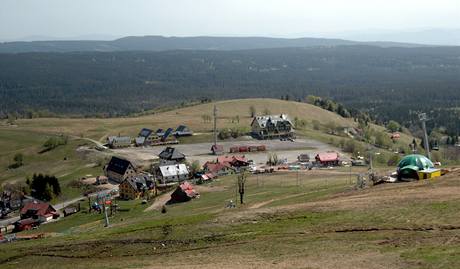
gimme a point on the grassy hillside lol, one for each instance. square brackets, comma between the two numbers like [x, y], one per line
[192, 116]
[28, 135]
[316, 218]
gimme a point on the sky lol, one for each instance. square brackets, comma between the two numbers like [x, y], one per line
[107, 19]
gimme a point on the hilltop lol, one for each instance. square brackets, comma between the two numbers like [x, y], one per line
[162, 43]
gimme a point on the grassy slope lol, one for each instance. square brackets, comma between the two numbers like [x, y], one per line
[283, 224]
[28, 136]
[99, 128]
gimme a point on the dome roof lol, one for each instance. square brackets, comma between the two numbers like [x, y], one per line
[415, 161]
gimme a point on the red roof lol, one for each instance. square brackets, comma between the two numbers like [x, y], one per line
[228, 160]
[41, 208]
[188, 189]
[240, 159]
[216, 167]
[327, 157]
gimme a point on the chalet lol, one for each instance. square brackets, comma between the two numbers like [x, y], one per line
[273, 126]
[327, 158]
[40, 211]
[135, 187]
[183, 130]
[147, 137]
[218, 169]
[119, 141]
[171, 155]
[119, 169]
[172, 173]
[183, 193]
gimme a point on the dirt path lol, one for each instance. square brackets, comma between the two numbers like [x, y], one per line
[159, 202]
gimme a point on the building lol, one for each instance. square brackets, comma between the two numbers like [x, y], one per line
[171, 155]
[119, 141]
[273, 126]
[135, 187]
[327, 158]
[69, 211]
[25, 224]
[218, 169]
[217, 149]
[233, 161]
[147, 137]
[119, 169]
[183, 130]
[101, 180]
[172, 173]
[37, 210]
[183, 193]
[303, 158]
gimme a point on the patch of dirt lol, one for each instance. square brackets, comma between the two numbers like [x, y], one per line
[159, 202]
[323, 260]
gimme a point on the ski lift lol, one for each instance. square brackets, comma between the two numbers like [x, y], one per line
[435, 145]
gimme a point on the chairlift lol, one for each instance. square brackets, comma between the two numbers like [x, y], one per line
[435, 145]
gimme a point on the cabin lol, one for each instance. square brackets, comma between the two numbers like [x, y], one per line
[183, 130]
[119, 141]
[37, 210]
[135, 187]
[119, 169]
[218, 169]
[69, 211]
[183, 193]
[171, 155]
[172, 173]
[327, 158]
[272, 126]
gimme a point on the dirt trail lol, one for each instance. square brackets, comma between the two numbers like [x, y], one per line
[159, 202]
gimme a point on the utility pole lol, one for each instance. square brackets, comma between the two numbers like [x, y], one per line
[215, 126]
[423, 118]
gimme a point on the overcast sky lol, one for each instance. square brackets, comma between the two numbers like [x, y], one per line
[285, 18]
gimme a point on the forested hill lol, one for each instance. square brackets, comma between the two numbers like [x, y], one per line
[160, 43]
[388, 82]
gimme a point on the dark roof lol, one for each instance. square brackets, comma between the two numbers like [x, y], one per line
[159, 131]
[171, 153]
[118, 165]
[70, 210]
[145, 132]
[140, 182]
[181, 128]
